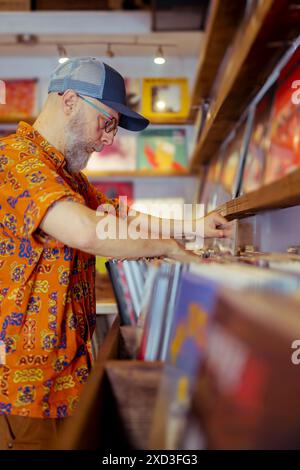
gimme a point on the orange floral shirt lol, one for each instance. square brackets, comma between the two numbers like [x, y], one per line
[47, 289]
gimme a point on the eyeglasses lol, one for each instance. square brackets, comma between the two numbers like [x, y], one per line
[111, 125]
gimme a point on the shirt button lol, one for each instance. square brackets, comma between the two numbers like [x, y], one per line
[10, 445]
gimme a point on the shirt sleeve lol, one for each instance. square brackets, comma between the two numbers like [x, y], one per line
[28, 190]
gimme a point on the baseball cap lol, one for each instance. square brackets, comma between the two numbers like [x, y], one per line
[91, 77]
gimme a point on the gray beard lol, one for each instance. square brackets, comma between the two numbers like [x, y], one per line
[77, 152]
[77, 157]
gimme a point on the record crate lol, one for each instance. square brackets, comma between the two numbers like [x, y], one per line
[116, 407]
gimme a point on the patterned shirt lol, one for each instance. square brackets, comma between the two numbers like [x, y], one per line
[47, 289]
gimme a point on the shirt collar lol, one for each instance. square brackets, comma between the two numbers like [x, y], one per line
[28, 132]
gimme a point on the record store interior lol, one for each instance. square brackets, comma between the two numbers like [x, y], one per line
[149, 225]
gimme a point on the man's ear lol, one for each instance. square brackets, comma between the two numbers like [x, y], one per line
[69, 101]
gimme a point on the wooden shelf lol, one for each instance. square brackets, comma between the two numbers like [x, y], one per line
[260, 41]
[176, 122]
[278, 195]
[136, 174]
[222, 19]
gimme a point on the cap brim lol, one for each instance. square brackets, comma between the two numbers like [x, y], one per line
[129, 119]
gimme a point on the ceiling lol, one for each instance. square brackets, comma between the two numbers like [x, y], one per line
[77, 30]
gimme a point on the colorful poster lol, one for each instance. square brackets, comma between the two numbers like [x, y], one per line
[20, 100]
[283, 155]
[120, 156]
[162, 150]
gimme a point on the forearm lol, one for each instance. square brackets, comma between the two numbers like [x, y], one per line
[160, 228]
[114, 237]
[129, 248]
[105, 235]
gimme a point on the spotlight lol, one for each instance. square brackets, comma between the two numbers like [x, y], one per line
[63, 56]
[159, 58]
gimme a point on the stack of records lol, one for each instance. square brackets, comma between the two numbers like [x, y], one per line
[247, 394]
[128, 280]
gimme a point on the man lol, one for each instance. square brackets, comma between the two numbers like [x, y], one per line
[48, 244]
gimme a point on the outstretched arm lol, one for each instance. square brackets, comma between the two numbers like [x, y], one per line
[77, 226]
[211, 226]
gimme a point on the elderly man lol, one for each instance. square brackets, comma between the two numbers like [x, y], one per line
[48, 226]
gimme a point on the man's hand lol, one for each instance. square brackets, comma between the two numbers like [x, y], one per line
[176, 252]
[213, 225]
[216, 226]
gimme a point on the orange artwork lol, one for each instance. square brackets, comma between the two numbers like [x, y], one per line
[20, 100]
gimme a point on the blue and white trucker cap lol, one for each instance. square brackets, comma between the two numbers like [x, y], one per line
[91, 77]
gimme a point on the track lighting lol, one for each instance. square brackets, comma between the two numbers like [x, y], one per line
[33, 40]
[63, 56]
[159, 58]
[109, 52]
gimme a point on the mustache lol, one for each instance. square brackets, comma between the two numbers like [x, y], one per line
[98, 149]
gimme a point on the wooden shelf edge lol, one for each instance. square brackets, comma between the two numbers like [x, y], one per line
[277, 195]
[175, 122]
[136, 174]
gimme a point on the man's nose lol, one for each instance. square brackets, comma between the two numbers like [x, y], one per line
[107, 138]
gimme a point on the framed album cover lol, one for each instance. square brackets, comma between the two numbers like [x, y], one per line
[20, 100]
[283, 154]
[255, 161]
[162, 150]
[165, 99]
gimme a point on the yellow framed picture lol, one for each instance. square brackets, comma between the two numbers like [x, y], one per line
[165, 99]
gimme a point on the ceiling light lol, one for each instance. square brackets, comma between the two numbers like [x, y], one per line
[159, 57]
[63, 56]
[109, 52]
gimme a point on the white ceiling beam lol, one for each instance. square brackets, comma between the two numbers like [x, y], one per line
[85, 22]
